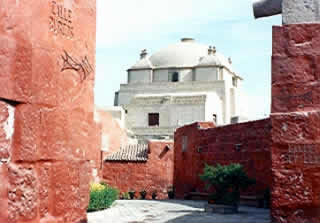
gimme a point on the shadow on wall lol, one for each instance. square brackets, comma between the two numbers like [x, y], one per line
[164, 152]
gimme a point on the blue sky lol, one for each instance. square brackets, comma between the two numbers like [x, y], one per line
[125, 27]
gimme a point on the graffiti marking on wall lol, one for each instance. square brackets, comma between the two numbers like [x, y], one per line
[82, 67]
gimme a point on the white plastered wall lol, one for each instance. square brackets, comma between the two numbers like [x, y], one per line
[139, 76]
[185, 75]
[214, 106]
[206, 74]
[161, 75]
[170, 115]
[227, 76]
[186, 114]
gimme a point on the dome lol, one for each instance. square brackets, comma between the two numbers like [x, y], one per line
[183, 54]
[187, 53]
[215, 59]
[142, 64]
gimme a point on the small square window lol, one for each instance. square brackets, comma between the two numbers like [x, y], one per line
[174, 76]
[153, 119]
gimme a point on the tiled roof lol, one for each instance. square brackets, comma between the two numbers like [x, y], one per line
[131, 153]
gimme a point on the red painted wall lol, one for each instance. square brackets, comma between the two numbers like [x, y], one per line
[155, 174]
[47, 69]
[218, 145]
[296, 123]
[111, 129]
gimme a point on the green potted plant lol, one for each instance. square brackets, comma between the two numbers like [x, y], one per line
[154, 195]
[227, 182]
[170, 191]
[143, 194]
[125, 196]
[131, 193]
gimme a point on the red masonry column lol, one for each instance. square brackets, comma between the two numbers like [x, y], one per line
[296, 123]
[48, 135]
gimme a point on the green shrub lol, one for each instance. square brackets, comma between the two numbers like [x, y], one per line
[227, 182]
[102, 196]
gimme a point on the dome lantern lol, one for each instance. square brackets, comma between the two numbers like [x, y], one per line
[143, 54]
[212, 50]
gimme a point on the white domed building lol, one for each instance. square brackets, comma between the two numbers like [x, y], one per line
[184, 83]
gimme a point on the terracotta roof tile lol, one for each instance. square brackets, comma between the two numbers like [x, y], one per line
[131, 153]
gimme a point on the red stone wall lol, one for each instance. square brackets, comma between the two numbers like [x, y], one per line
[295, 123]
[246, 143]
[112, 135]
[155, 174]
[48, 135]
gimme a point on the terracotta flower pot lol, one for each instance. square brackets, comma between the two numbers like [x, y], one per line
[210, 201]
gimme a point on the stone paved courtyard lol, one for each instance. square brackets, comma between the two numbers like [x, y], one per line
[173, 211]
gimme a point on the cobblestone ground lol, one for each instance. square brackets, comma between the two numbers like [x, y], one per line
[173, 211]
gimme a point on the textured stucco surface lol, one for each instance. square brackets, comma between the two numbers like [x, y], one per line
[295, 123]
[246, 143]
[49, 139]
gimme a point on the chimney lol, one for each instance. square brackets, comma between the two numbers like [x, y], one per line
[143, 54]
[212, 50]
[187, 40]
[230, 60]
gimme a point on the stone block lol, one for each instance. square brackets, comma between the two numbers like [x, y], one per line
[295, 193]
[6, 130]
[296, 40]
[48, 192]
[292, 97]
[295, 68]
[307, 215]
[51, 133]
[26, 136]
[23, 193]
[295, 166]
[4, 193]
[70, 190]
[46, 52]
[296, 128]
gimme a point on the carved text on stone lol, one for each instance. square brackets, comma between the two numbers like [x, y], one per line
[301, 153]
[61, 20]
